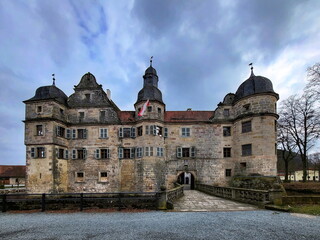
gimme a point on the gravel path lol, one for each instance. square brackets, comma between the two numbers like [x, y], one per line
[160, 225]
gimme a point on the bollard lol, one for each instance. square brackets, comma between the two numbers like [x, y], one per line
[4, 203]
[81, 201]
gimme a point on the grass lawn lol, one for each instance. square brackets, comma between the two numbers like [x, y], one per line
[306, 209]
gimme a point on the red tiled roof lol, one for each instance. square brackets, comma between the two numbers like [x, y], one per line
[12, 171]
[188, 116]
[126, 116]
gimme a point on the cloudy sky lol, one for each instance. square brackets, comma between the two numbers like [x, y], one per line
[201, 50]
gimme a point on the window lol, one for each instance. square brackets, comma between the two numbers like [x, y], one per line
[159, 110]
[81, 116]
[127, 132]
[103, 176]
[185, 132]
[226, 112]
[159, 152]
[87, 96]
[186, 152]
[226, 152]
[149, 109]
[147, 130]
[60, 131]
[139, 152]
[61, 111]
[79, 176]
[39, 130]
[246, 107]
[62, 153]
[139, 129]
[243, 165]
[38, 152]
[246, 150]
[275, 125]
[79, 153]
[126, 152]
[228, 172]
[149, 151]
[39, 109]
[103, 132]
[226, 131]
[246, 127]
[103, 153]
[82, 133]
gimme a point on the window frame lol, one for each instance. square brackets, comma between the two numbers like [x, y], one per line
[246, 126]
[246, 150]
[185, 132]
[39, 132]
[103, 133]
[227, 152]
[226, 130]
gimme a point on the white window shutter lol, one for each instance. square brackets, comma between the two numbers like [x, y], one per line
[133, 132]
[151, 129]
[179, 152]
[66, 154]
[193, 152]
[44, 152]
[120, 132]
[120, 153]
[151, 151]
[132, 152]
[68, 133]
[100, 132]
[97, 154]
[106, 132]
[74, 133]
[108, 153]
[84, 153]
[147, 130]
[154, 130]
[74, 153]
[85, 133]
[165, 132]
[57, 152]
[33, 153]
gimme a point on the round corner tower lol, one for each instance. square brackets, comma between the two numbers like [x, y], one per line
[255, 128]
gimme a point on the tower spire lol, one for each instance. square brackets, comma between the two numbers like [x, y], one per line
[53, 80]
[151, 61]
[251, 64]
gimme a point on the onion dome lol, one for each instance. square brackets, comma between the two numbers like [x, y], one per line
[253, 85]
[50, 92]
[150, 88]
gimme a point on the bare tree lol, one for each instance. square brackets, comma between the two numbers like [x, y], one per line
[299, 116]
[314, 79]
[287, 144]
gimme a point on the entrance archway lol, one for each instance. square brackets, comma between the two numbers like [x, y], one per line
[187, 180]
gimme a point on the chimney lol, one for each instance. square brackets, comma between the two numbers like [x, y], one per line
[108, 94]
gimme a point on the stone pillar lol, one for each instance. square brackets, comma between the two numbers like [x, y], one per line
[275, 196]
[162, 200]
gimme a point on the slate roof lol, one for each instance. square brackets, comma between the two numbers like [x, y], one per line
[12, 171]
[254, 84]
[49, 92]
[188, 116]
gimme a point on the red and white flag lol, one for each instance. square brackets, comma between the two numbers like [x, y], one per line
[140, 114]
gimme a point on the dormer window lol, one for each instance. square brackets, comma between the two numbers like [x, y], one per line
[88, 96]
[226, 112]
[159, 110]
[246, 107]
[149, 108]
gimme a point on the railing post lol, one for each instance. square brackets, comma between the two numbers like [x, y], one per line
[43, 202]
[81, 201]
[4, 203]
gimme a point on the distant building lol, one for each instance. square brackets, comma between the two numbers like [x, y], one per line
[85, 143]
[312, 175]
[12, 175]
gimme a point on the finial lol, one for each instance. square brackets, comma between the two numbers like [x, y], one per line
[54, 80]
[251, 64]
[151, 61]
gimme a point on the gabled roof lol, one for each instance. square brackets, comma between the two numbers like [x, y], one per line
[188, 116]
[12, 171]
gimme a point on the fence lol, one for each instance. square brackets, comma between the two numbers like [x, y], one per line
[148, 200]
[253, 196]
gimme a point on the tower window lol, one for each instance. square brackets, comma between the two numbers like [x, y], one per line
[226, 112]
[88, 96]
[226, 131]
[149, 109]
[39, 130]
[159, 110]
[39, 109]
[246, 127]
[246, 150]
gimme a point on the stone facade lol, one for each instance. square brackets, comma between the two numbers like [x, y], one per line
[85, 143]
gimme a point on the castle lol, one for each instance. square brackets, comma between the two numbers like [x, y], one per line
[85, 143]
